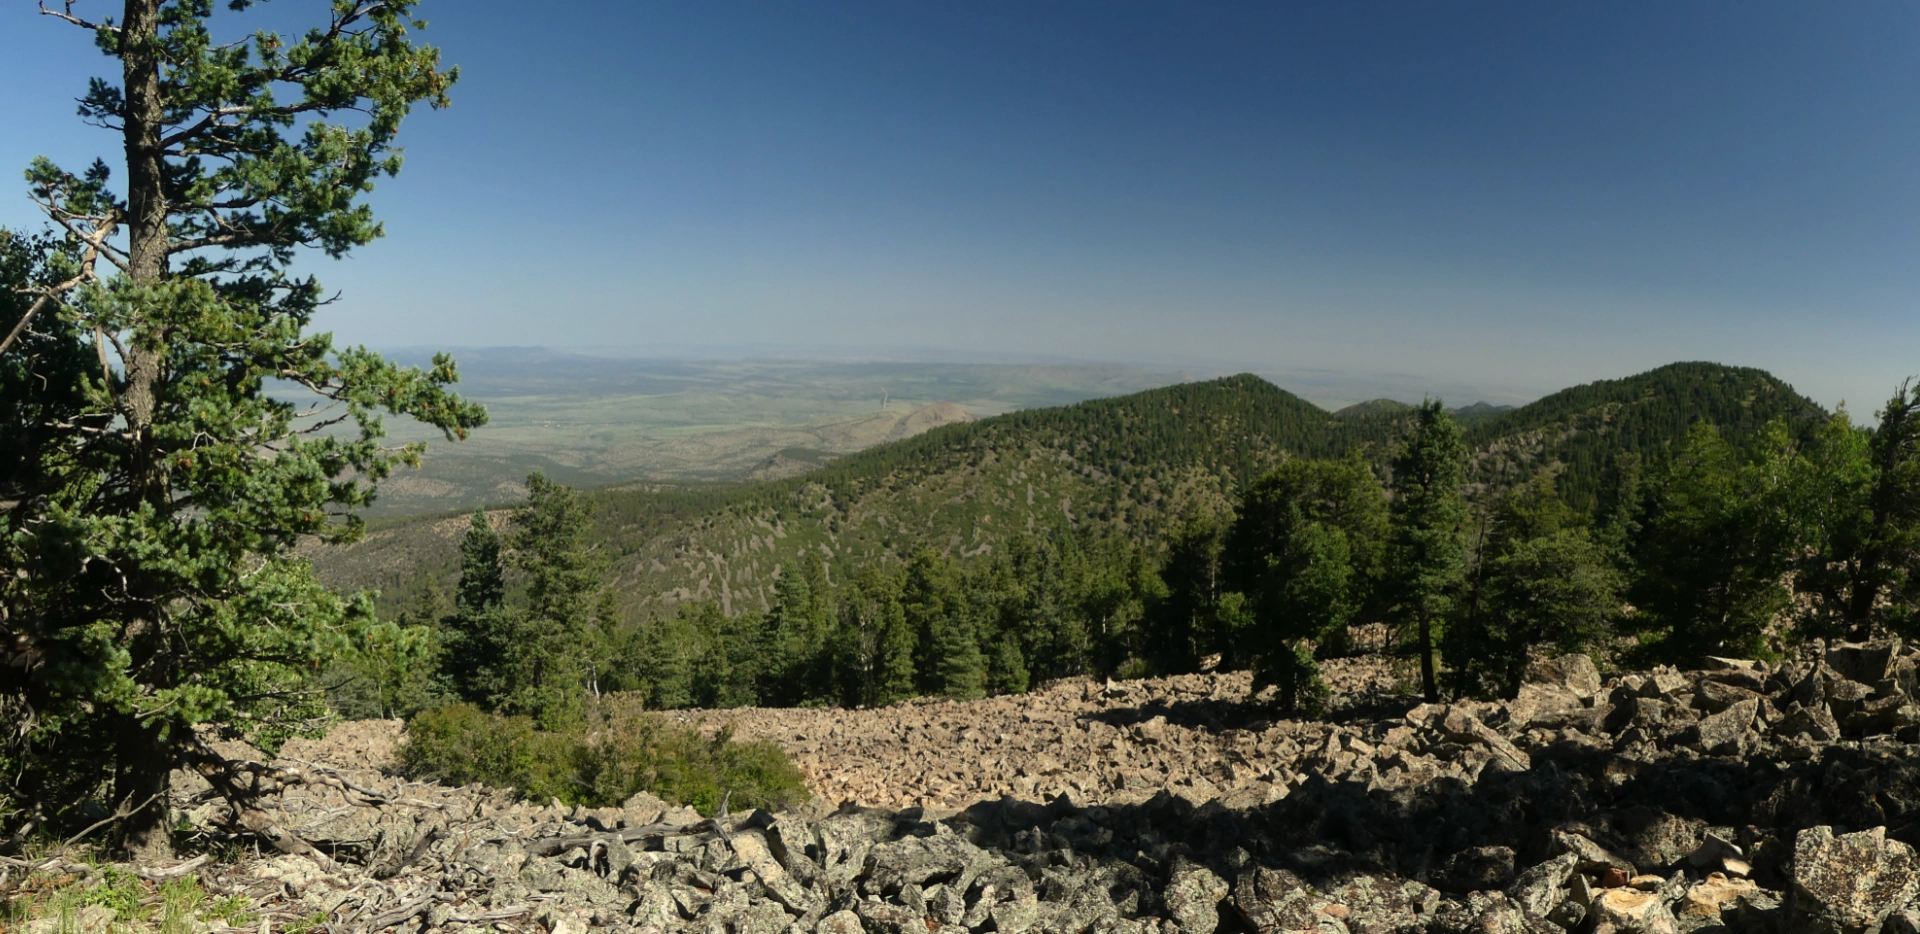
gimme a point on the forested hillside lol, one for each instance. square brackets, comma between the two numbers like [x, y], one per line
[1589, 428]
[1127, 467]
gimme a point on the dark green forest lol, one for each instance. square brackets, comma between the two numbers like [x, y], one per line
[1693, 510]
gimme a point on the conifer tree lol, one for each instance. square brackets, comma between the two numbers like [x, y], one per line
[477, 637]
[1427, 518]
[1187, 623]
[797, 630]
[1007, 670]
[545, 666]
[1714, 550]
[148, 572]
[1540, 582]
[726, 670]
[962, 668]
[1886, 561]
[1305, 551]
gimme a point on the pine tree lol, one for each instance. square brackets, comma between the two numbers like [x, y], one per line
[931, 597]
[1715, 547]
[545, 666]
[476, 638]
[726, 670]
[1539, 582]
[1007, 670]
[1887, 561]
[797, 630]
[1305, 552]
[1186, 623]
[961, 669]
[150, 566]
[1426, 523]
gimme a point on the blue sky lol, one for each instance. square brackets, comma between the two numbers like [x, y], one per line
[1497, 198]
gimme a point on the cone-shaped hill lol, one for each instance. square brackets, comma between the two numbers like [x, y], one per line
[1128, 465]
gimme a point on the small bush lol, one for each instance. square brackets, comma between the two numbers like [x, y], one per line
[621, 751]
[459, 744]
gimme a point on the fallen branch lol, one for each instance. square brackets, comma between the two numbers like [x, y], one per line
[311, 775]
[419, 849]
[157, 875]
[218, 771]
[406, 912]
[553, 845]
[498, 914]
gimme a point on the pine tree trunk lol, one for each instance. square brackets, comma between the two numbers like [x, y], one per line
[142, 777]
[146, 215]
[1428, 685]
[146, 765]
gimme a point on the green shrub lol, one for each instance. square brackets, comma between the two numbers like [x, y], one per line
[622, 750]
[459, 743]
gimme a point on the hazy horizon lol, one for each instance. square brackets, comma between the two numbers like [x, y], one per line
[1492, 201]
[1329, 389]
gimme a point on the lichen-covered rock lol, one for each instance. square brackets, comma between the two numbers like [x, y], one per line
[1632, 911]
[1542, 887]
[1575, 673]
[1274, 900]
[1848, 883]
[1727, 732]
[1193, 895]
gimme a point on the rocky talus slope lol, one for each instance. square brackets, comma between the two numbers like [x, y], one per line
[1743, 797]
[1119, 742]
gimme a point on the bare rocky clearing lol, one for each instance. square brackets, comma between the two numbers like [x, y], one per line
[1744, 796]
[1194, 736]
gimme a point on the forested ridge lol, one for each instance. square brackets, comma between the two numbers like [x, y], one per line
[1695, 508]
[1127, 466]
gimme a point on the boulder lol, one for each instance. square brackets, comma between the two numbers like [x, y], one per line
[1815, 722]
[1272, 901]
[1464, 727]
[1631, 911]
[1193, 895]
[1543, 705]
[1542, 887]
[1706, 899]
[1593, 857]
[1476, 869]
[1726, 733]
[1849, 883]
[1575, 673]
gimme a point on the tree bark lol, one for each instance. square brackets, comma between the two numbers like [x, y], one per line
[143, 772]
[146, 223]
[1428, 685]
[147, 761]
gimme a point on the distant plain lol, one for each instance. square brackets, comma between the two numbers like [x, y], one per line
[596, 421]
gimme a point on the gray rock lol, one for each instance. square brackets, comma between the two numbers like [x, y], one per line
[1543, 705]
[1631, 911]
[1865, 663]
[1464, 727]
[1593, 857]
[1193, 895]
[1275, 900]
[1849, 883]
[1576, 673]
[1816, 723]
[1719, 695]
[1542, 887]
[1726, 733]
[1016, 914]
[883, 918]
[841, 922]
[1478, 868]
[751, 847]
[1654, 838]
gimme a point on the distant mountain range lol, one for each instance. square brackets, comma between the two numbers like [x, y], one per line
[1129, 465]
